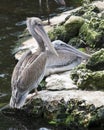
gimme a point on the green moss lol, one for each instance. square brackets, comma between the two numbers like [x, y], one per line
[71, 114]
[58, 32]
[76, 42]
[89, 35]
[92, 31]
[67, 31]
[101, 25]
[87, 79]
[73, 24]
[86, 7]
[96, 62]
[77, 114]
[90, 75]
[88, 15]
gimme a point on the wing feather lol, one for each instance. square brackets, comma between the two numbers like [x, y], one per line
[32, 72]
[18, 68]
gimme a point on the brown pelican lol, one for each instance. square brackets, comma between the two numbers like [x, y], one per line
[30, 69]
[68, 58]
[60, 2]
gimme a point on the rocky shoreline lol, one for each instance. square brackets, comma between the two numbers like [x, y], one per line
[77, 103]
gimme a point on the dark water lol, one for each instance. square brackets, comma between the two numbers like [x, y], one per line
[12, 23]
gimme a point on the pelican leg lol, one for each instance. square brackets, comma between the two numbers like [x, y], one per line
[30, 96]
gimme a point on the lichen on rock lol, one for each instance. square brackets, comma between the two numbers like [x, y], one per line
[73, 24]
[90, 36]
[96, 62]
[68, 30]
[58, 32]
[90, 75]
[91, 31]
[73, 114]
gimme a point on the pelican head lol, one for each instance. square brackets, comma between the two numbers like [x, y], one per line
[36, 29]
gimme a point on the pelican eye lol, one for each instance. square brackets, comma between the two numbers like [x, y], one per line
[61, 44]
[39, 24]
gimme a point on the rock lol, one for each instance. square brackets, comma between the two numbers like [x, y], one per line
[101, 14]
[58, 32]
[87, 79]
[60, 18]
[77, 42]
[73, 24]
[91, 97]
[92, 38]
[60, 82]
[99, 5]
[72, 108]
[101, 25]
[89, 14]
[91, 31]
[87, 8]
[68, 30]
[88, 27]
[96, 62]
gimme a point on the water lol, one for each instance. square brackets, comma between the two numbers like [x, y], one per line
[12, 23]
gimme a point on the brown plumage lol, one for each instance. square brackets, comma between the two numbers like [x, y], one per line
[30, 69]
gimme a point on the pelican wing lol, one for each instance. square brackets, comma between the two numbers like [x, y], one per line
[32, 73]
[21, 66]
[17, 70]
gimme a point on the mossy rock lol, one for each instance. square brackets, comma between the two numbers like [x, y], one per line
[92, 38]
[86, 7]
[101, 25]
[96, 62]
[89, 11]
[73, 114]
[58, 32]
[67, 31]
[92, 31]
[77, 42]
[87, 79]
[89, 14]
[73, 24]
